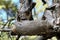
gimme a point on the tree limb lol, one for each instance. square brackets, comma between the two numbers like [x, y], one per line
[37, 27]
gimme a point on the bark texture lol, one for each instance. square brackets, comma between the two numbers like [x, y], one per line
[37, 27]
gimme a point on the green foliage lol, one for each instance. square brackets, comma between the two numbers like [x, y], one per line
[8, 4]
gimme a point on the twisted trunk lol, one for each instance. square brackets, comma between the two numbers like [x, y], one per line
[37, 27]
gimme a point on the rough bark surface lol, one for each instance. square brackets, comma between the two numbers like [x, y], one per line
[37, 27]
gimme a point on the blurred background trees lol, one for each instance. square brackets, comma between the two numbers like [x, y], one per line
[7, 10]
[9, 7]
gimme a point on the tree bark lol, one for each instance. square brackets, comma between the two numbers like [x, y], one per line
[37, 27]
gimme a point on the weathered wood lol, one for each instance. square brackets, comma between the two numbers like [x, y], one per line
[25, 12]
[37, 27]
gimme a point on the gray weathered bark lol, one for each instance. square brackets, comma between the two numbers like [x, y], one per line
[37, 27]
